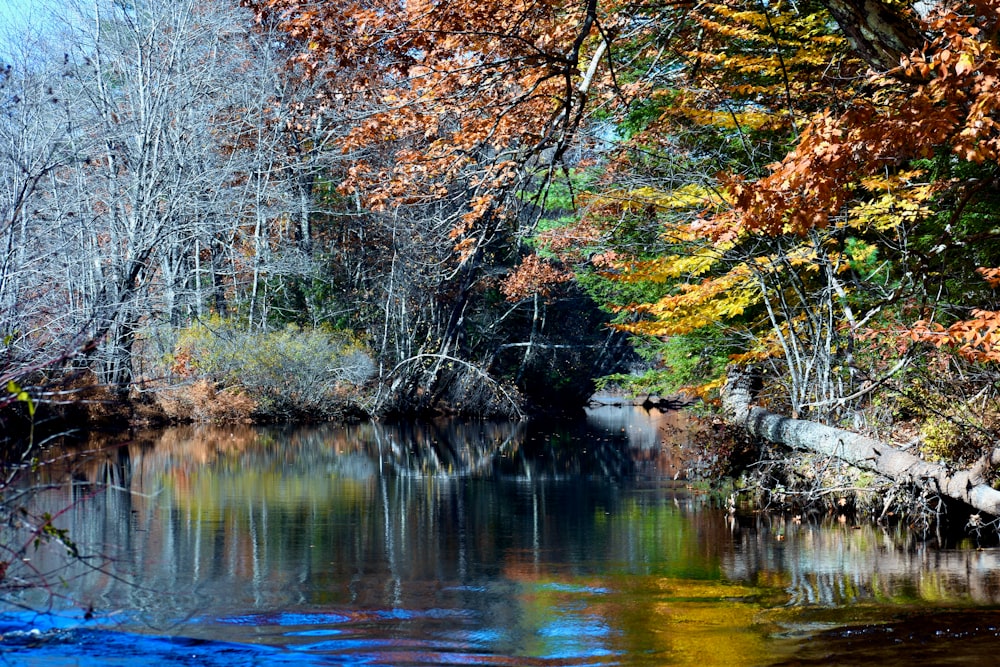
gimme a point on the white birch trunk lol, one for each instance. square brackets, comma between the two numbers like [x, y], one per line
[969, 486]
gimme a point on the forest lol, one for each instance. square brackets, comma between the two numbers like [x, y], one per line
[291, 209]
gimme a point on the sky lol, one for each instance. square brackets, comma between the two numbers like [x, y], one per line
[14, 13]
[17, 16]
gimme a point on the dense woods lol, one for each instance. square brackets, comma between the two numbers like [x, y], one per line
[282, 208]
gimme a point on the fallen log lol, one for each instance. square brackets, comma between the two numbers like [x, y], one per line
[968, 486]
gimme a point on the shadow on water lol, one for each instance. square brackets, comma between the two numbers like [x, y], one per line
[465, 543]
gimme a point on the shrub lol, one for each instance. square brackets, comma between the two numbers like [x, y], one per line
[940, 439]
[199, 401]
[289, 372]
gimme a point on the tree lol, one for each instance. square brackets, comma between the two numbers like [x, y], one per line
[32, 154]
[726, 89]
[148, 176]
[793, 202]
[451, 117]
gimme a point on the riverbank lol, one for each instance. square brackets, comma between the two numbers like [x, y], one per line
[813, 475]
[814, 466]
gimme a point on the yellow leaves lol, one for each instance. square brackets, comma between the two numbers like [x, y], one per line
[709, 391]
[861, 252]
[900, 180]
[696, 306]
[21, 395]
[756, 56]
[687, 197]
[764, 347]
[657, 270]
[754, 19]
[747, 120]
[965, 64]
[698, 263]
[804, 257]
[670, 267]
[890, 210]
[903, 200]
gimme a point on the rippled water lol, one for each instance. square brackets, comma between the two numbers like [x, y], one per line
[492, 544]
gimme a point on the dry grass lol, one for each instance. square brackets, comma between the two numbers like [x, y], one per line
[199, 401]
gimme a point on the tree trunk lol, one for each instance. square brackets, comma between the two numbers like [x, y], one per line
[881, 32]
[969, 486]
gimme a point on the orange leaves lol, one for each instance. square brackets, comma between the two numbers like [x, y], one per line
[948, 97]
[534, 276]
[477, 209]
[570, 241]
[833, 157]
[991, 276]
[447, 83]
[976, 339]
[962, 70]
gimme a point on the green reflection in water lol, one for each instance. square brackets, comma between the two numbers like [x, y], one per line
[455, 537]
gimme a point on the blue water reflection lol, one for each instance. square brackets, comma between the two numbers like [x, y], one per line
[499, 544]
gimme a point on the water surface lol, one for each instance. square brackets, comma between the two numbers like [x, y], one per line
[498, 544]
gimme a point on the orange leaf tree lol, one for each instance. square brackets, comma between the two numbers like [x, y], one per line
[447, 120]
[788, 175]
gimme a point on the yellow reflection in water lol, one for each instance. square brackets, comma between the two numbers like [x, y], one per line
[649, 620]
[683, 622]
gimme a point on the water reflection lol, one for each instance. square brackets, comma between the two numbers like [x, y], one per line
[836, 564]
[464, 543]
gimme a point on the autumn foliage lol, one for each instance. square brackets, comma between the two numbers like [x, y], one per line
[809, 186]
[447, 94]
[785, 177]
[796, 197]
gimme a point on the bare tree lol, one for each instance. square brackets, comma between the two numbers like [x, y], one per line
[135, 171]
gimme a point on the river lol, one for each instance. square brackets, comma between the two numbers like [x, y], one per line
[463, 543]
